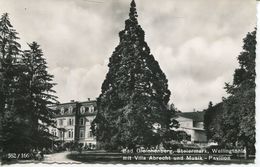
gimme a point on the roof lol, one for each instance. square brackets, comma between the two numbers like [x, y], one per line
[73, 103]
[197, 116]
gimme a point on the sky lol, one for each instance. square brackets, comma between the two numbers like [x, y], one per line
[195, 42]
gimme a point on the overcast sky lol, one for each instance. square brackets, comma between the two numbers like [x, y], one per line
[196, 42]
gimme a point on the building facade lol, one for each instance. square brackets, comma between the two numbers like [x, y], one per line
[73, 122]
[193, 124]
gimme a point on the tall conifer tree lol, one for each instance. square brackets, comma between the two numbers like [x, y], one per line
[25, 93]
[37, 88]
[9, 73]
[135, 94]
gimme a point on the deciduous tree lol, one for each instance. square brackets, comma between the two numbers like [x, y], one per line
[239, 113]
[232, 122]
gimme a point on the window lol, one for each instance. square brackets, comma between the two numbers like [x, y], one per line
[62, 110]
[53, 132]
[90, 134]
[82, 109]
[81, 133]
[60, 134]
[60, 122]
[70, 121]
[70, 133]
[91, 109]
[81, 121]
[70, 110]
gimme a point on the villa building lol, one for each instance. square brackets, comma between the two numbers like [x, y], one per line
[73, 122]
[193, 124]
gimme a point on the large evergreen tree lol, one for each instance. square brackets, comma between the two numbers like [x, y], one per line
[9, 73]
[133, 102]
[38, 95]
[25, 94]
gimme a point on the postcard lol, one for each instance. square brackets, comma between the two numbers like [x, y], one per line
[128, 82]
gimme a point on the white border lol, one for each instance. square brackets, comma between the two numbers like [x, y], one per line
[257, 160]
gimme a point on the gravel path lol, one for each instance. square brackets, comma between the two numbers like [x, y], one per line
[58, 158]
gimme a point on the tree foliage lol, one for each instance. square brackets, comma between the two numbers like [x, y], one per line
[232, 122]
[212, 121]
[9, 73]
[26, 92]
[37, 88]
[239, 113]
[134, 94]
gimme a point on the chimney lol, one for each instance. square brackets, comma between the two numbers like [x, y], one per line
[72, 101]
[88, 99]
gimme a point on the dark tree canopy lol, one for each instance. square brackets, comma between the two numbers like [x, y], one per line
[134, 94]
[232, 122]
[37, 86]
[212, 121]
[239, 125]
[26, 93]
[9, 73]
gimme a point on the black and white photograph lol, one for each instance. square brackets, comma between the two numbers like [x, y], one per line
[128, 82]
